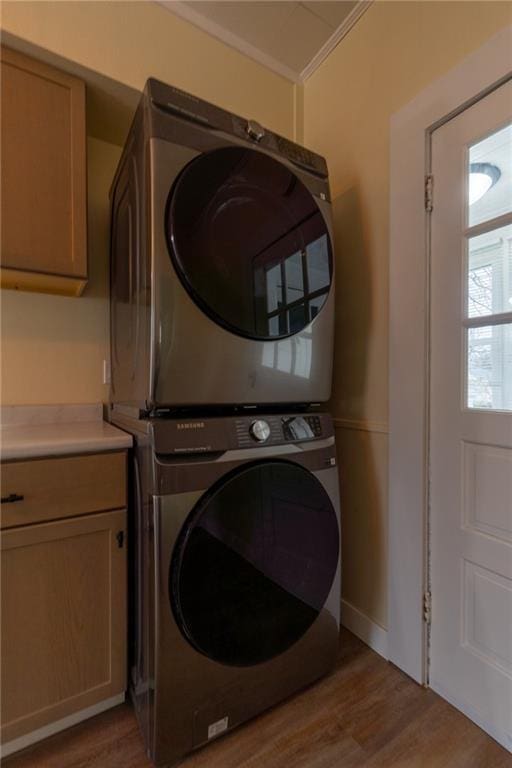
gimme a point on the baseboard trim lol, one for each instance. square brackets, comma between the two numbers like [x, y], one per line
[367, 630]
[59, 725]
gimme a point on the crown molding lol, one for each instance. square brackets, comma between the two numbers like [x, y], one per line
[338, 35]
[184, 11]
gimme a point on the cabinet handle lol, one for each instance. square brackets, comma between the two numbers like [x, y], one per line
[120, 539]
[11, 498]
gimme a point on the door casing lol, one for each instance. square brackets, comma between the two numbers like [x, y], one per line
[410, 164]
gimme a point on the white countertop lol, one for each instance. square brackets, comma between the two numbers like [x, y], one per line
[33, 431]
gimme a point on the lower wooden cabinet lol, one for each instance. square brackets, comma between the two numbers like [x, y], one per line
[63, 635]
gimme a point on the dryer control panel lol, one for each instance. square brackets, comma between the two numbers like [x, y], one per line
[189, 108]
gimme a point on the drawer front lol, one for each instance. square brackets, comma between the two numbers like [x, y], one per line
[50, 489]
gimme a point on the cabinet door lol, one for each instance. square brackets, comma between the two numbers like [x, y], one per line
[43, 175]
[63, 636]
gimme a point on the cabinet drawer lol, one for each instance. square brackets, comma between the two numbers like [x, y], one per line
[56, 488]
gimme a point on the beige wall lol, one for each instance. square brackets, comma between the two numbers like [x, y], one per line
[53, 347]
[131, 41]
[393, 52]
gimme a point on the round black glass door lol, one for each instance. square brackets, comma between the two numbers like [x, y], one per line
[249, 243]
[254, 563]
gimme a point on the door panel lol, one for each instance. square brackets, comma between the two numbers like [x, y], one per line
[488, 489]
[471, 419]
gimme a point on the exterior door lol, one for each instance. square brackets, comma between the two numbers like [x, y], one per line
[471, 413]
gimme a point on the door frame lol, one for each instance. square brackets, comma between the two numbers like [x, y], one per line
[411, 130]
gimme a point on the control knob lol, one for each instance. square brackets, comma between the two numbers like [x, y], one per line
[254, 130]
[259, 430]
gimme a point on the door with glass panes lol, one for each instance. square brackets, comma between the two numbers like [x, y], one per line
[471, 413]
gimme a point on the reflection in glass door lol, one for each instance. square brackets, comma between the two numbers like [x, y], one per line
[297, 288]
[249, 243]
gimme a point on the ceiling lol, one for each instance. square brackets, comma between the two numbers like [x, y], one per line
[288, 37]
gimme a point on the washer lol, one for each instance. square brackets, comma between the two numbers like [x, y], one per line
[221, 262]
[235, 571]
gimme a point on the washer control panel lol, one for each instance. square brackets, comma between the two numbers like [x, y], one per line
[222, 433]
[272, 430]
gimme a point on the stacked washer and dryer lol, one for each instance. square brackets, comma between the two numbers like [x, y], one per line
[221, 342]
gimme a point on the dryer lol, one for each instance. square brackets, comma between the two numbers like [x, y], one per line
[235, 570]
[221, 262]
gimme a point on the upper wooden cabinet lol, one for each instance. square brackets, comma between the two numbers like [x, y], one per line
[43, 177]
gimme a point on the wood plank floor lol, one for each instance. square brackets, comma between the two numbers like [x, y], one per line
[365, 714]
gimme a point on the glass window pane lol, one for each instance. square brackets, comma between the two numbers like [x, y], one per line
[490, 177]
[317, 256]
[297, 318]
[274, 288]
[277, 325]
[315, 305]
[490, 272]
[489, 367]
[294, 278]
[273, 325]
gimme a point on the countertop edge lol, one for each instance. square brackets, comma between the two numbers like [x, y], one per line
[31, 442]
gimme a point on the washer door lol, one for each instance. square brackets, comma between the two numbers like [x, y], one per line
[254, 563]
[249, 243]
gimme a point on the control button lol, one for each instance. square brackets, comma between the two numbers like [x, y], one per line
[315, 425]
[260, 430]
[254, 130]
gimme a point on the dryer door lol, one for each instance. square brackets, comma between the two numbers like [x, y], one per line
[249, 243]
[254, 563]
